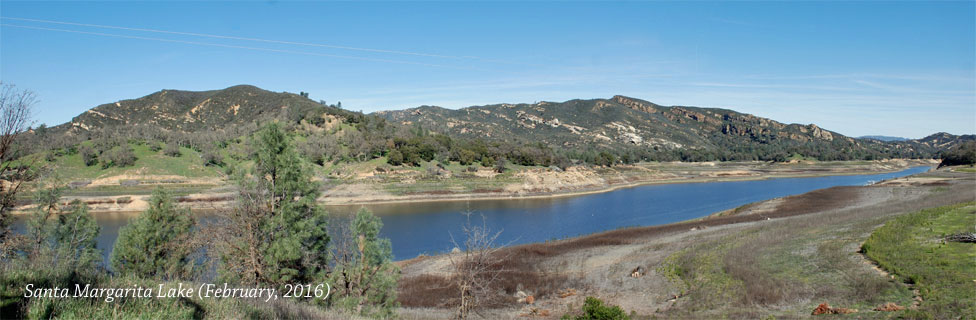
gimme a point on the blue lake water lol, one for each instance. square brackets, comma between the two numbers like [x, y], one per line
[417, 228]
[426, 228]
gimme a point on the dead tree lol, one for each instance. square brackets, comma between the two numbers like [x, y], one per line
[15, 118]
[476, 264]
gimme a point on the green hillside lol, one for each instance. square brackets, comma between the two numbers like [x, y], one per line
[641, 127]
[212, 129]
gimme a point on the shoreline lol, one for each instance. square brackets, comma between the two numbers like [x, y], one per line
[608, 188]
[98, 205]
[597, 264]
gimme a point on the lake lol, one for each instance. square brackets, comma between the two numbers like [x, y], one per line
[427, 227]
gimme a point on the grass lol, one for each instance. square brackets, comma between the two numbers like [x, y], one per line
[785, 267]
[964, 169]
[148, 162]
[911, 247]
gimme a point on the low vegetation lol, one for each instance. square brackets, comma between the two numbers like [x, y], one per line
[210, 132]
[913, 248]
[963, 154]
[595, 309]
[157, 243]
[276, 237]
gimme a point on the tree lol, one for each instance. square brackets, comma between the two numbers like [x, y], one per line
[121, 156]
[466, 157]
[172, 149]
[500, 166]
[63, 241]
[15, 114]
[365, 277]
[277, 233]
[74, 238]
[88, 155]
[476, 267]
[395, 157]
[963, 154]
[212, 158]
[48, 205]
[487, 161]
[157, 243]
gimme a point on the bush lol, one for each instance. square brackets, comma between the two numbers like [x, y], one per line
[120, 157]
[500, 167]
[172, 150]
[395, 158]
[88, 155]
[364, 275]
[212, 158]
[156, 243]
[466, 157]
[155, 147]
[594, 309]
[487, 161]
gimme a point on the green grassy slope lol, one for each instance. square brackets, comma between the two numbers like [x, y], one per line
[71, 167]
[913, 248]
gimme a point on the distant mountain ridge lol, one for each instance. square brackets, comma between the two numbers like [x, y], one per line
[624, 122]
[884, 138]
[620, 124]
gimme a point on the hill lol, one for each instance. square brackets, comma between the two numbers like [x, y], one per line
[190, 111]
[216, 125]
[623, 123]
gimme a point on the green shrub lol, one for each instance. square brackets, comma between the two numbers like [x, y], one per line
[156, 243]
[594, 309]
[88, 155]
[120, 157]
[212, 158]
[172, 150]
[395, 158]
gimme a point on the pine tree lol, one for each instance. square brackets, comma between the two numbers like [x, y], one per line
[277, 234]
[365, 277]
[63, 241]
[157, 243]
[74, 238]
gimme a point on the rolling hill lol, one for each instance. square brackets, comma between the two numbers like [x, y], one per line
[622, 123]
[630, 129]
[190, 111]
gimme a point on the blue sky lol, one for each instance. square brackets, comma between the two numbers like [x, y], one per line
[858, 68]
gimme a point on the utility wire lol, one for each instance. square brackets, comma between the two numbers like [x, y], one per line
[237, 46]
[245, 38]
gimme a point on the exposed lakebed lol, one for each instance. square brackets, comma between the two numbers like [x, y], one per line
[427, 227]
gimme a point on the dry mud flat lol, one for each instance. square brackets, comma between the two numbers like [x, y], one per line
[825, 229]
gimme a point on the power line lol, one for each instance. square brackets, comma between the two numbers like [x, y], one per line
[236, 46]
[245, 38]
